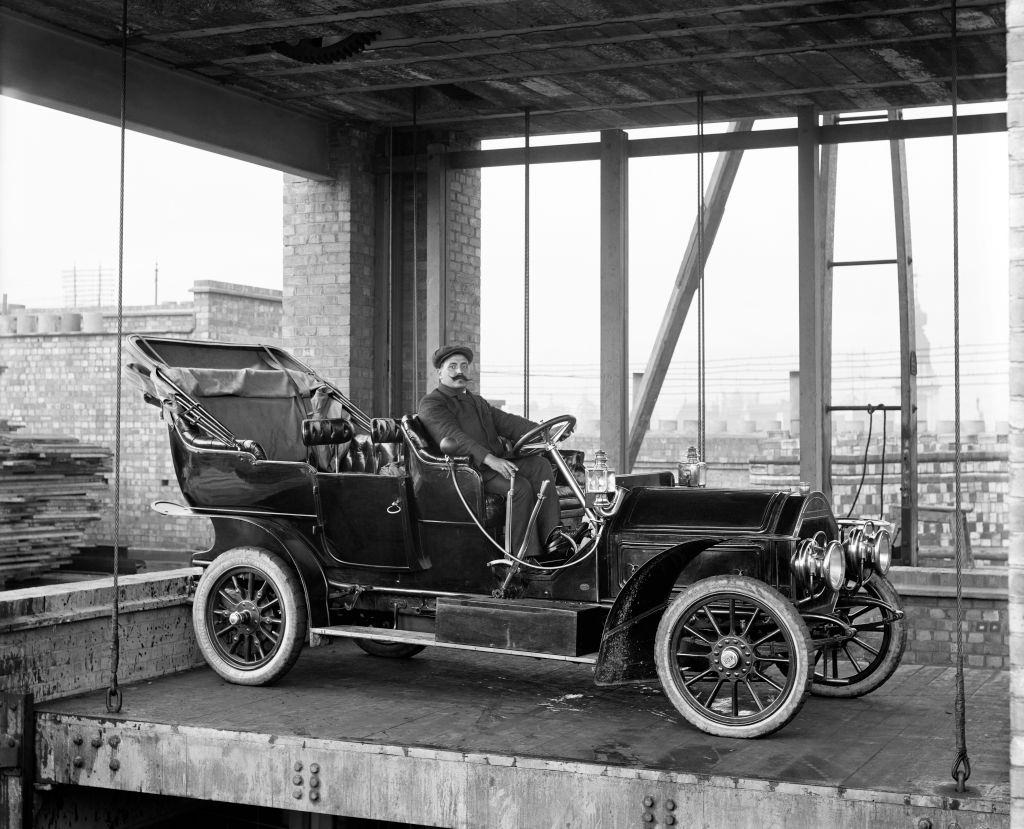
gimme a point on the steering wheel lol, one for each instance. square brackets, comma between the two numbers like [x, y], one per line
[544, 436]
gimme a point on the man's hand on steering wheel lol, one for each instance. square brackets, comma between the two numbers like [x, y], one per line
[503, 466]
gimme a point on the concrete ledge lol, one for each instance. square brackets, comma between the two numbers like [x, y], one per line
[56, 641]
[977, 583]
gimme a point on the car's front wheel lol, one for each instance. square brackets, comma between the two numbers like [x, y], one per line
[733, 656]
[249, 615]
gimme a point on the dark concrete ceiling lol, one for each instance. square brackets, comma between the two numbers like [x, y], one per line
[476, 65]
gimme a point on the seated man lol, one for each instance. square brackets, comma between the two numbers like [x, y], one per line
[452, 411]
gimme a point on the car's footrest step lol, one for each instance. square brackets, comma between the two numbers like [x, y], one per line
[416, 637]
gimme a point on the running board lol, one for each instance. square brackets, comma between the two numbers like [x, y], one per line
[416, 637]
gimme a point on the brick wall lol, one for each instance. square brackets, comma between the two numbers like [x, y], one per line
[929, 599]
[65, 384]
[55, 641]
[329, 266]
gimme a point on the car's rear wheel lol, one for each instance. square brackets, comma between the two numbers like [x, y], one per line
[391, 650]
[249, 615]
[733, 656]
[864, 662]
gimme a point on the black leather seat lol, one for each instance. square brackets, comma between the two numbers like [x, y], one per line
[436, 499]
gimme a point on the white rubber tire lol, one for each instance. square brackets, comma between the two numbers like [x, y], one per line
[243, 579]
[774, 611]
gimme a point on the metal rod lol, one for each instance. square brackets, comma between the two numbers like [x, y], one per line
[855, 262]
[870, 407]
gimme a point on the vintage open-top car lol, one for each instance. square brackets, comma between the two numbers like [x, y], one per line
[331, 524]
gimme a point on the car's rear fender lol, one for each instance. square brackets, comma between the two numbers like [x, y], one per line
[627, 643]
[238, 531]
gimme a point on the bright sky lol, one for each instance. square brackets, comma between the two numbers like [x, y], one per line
[202, 216]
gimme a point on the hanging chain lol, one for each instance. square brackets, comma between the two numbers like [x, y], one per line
[415, 253]
[114, 698]
[701, 347]
[526, 266]
[864, 466]
[961, 764]
[881, 478]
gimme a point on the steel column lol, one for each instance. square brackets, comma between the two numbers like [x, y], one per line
[716, 197]
[811, 310]
[615, 295]
[908, 347]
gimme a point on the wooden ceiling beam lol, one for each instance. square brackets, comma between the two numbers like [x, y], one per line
[602, 67]
[317, 20]
[673, 33]
[690, 100]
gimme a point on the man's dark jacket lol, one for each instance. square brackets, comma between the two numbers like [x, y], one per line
[473, 423]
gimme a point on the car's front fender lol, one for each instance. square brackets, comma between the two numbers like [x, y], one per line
[627, 643]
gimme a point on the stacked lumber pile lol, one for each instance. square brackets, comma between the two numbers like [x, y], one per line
[51, 487]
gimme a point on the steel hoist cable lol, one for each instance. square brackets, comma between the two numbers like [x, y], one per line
[526, 264]
[114, 697]
[961, 770]
[415, 252]
[701, 333]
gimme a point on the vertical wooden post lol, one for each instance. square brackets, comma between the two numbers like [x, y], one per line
[1015, 302]
[810, 314]
[437, 259]
[908, 349]
[615, 295]
[826, 231]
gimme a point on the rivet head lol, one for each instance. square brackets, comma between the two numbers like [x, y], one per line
[314, 768]
[297, 779]
[314, 796]
[114, 741]
[648, 817]
[78, 762]
[297, 766]
[670, 820]
[670, 805]
[96, 742]
[648, 801]
[115, 764]
[77, 739]
[11, 742]
[297, 794]
[314, 782]
[924, 823]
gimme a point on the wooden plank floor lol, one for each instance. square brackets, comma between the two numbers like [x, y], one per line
[899, 739]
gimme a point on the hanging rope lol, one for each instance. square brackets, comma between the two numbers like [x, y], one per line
[961, 770]
[864, 465]
[881, 477]
[415, 252]
[701, 349]
[114, 698]
[526, 265]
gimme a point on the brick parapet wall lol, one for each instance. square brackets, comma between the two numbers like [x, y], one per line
[64, 384]
[55, 641]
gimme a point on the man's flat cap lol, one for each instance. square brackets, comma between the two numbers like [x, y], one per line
[446, 351]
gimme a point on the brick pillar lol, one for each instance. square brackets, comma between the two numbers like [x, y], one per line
[1015, 96]
[329, 267]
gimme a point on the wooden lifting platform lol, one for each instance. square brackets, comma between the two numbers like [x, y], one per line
[452, 738]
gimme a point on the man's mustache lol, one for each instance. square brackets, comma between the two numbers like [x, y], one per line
[460, 376]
